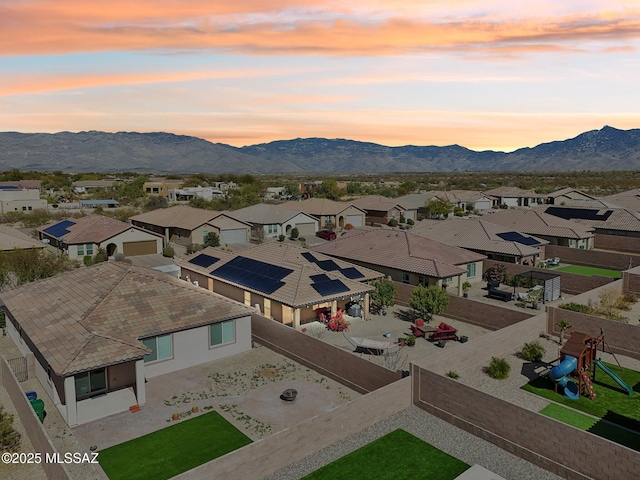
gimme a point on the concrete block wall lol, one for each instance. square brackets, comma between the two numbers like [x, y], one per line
[485, 315]
[31, 423]
[266, 456]
[620, 244]
[594, 258]
[354, 372]
[566, 451]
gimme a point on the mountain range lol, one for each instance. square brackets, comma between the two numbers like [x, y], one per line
[605, 149]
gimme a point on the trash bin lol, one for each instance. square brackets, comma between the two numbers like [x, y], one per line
[38, 406]
[355, 310]
[31, 395]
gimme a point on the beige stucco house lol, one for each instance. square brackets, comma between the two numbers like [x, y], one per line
[330, 214]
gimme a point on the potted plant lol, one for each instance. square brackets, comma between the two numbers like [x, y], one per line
[534, 298]
[411, 340]
[465, 289]
[402, 341]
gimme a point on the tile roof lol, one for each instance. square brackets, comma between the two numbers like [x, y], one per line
[419, 200]
[401, 250]
[611, 217]
[265, 214]
[475, 234]
[11, 238]
[568, 192]
[94, 316]
[317, 206]
[296, 290]
[90, 229]
[378, 202]
[180, 216]
[512, 192]
[629, 199]
[536, 222]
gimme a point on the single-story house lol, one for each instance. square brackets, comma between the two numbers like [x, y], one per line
[629, 199]
[286, 282]
[557, 231]
[494, 241]
[514, 197]
[79, 237]
[98, 332]
[189, 193]
[567, 195]
[159, 186]
[380, 209]
[274, 220]
[605, 218]
[186, 225]
[407, 257]
[11, 239]
[84, 186]
[98, 203]
[330, 214]
[467, 200]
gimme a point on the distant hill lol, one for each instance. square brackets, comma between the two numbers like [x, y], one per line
[605, 149]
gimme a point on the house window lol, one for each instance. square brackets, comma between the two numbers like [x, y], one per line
[90, 383]
[160, 346]
[405, 277]
[30, 208]
[272, 228]
[155, 190]
[204, 236]
[327, 219]
[393, 214]
[448, 279]
[422, 280]
[221, 333]
[471, 270]
[80, 250]
[24, 209]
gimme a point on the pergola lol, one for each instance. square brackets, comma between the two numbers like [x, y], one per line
[549, 281]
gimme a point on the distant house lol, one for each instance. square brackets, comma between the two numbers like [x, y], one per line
[330, 214]
[557, 231]
[79, 237]
[467, 200]
[514, 197]
[84, 186]
[287, 283]
[479, 235]
[98, 203]
[186, 194]
[407, 257]
[11, 239]
[629, 199]
[160, 186]
[274, 220]
[186, 225]
[566, 195]
[17, 198]
[605, 218]
[98, 332]
[380, 209]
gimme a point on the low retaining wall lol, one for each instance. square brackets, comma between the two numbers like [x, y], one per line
[571, 283]
[287, 446]
[594, 258]
[31, 423]
[354, 372]
[566, 451]
[486, 315]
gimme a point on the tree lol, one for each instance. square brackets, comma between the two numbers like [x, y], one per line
[291, 188]
[24, 266]
[384, 294]
[212, 240]
[257, 232]
[329, 189]
[155, 202]
[429, 301]
[563, 325]
[354, 188]
[439, 208]
[496, 273]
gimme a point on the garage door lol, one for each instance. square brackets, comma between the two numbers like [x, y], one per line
[306, 229]
[235, 235]
[355, 220]
[131, 249]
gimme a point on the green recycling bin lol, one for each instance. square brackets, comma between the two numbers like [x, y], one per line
[38, 406]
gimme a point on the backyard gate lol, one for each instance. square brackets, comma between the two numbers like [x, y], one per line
[18, 366]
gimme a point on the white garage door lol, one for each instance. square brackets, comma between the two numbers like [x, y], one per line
[306, 229]
[233, 235]
[355, 220]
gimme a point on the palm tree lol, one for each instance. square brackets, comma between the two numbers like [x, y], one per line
[563, 325]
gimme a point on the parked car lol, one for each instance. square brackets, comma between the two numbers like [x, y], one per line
[326, 234]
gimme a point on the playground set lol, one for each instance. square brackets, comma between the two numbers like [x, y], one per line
[576, 371]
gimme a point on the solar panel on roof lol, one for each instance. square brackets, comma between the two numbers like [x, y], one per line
[309, 257]
[330, 288]
[60, 229]
[351, 273]
[319, 278]
[578, 213]
[203, 260]
[328, 265]
[8, 187]
[253, 274]
[518, 238]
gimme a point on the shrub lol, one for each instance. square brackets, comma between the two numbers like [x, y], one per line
[294, 233]
[168, 251]
[498, 368]
[302, 239]
[393, 222]
[119, 257]
[281, 238]
[402, 219]
[410, 222]
[87, 260]
[452, 374]
[533, 352]
[9, 438]
[212, 240]
[576, 307]
[348, 226]
[193, 248]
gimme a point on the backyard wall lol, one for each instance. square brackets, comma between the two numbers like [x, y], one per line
[594, 258]
[620, 244]
[571, 283]
[351, 371]
[287, 446]
[36, 432]
[566, 451]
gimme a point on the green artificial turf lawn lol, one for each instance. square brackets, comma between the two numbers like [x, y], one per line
[612, 403]
[589, 271]
[172, 450]
[396, 456]
[597, 427]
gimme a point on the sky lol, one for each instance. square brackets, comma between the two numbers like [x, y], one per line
[484, 74]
